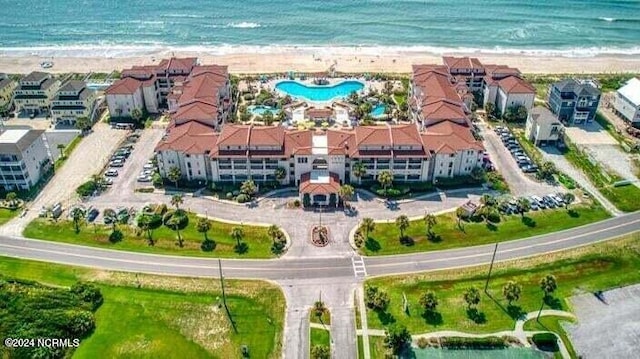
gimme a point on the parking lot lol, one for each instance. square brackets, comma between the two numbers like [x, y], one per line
[126, 181]
[521, 184]
[609, 328]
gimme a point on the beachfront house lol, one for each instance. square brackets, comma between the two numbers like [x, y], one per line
[574, 101]
[123, 97]
[73, 100]
[35, 92]
[542, 127]
[23, 158]
[7, 86]
[627, 102]
[514, 92]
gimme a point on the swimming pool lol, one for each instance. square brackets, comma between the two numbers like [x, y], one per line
[378, 110]
[260, 110]
[319, 93]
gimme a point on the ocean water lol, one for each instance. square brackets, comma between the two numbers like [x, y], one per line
[123, 28]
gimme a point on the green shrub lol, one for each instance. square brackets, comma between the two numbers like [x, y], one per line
[208, 245]
[229, 195]
[242, 198]
[156, 180]
[116, 236]
[472, 343]
[183, 219]
[86, 189]
[546, 341]
[88, 293]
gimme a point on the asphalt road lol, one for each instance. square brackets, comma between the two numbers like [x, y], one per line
[314, 268]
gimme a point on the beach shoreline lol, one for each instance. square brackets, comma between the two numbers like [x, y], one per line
[348, 60]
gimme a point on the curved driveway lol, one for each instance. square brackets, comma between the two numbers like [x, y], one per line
[314, 268]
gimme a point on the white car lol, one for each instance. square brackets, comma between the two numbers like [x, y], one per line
[111, 173]
[143, 178]
[147, 173]
[148, 166]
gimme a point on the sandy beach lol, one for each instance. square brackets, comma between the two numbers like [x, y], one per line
[321, 60]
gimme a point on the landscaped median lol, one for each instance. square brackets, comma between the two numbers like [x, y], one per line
[385, 239]
[158, 316]
[455, 299]
[162, 238]
[319, 331]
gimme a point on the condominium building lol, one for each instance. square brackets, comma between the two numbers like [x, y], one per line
[574, 101]
[23, 158]
[627, 102]
[7, 86]
[147, 88]
[72, 100]
[35, 93]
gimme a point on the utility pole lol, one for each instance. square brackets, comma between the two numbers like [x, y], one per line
[495, 250]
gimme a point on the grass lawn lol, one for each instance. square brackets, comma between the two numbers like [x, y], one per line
[360, 347]
[257, 238]
[320, 337]
[7, 214]
[552, 324]
[159, 316]
[625, 198]
[66, 152]
[377, 348]
[599, 266]
[384, 239]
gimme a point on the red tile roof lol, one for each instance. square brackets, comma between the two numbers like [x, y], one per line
[234, 135]
[297, 142]
[126, 86]
[200, 111]
[514, 84]
[266, 136]
[192, 137]
[449, 137]
[184, 65]
[462, 63]
[319, 188]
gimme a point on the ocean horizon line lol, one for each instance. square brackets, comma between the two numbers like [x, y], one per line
[142, 50]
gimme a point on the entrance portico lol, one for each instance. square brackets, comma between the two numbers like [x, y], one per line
[321, 187]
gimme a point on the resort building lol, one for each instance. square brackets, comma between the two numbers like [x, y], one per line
[35, 93]
[147, 88]
[542, 127]
[23, 158]
[468, 69]
[627, 102]
[574, 101]
[73, 100]
[7, 86]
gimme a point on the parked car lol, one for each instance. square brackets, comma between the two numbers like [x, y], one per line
[92, 214]
[108, 181]
[148, 166]
[111, 173]
[118, 157]
[144, 178]
[116, 163]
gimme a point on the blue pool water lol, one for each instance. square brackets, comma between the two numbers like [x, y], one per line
[319, 93]
[378, 111]
[260, 110]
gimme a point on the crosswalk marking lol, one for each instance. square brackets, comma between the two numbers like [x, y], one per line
[359, 269]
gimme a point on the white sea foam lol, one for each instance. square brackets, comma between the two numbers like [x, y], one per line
[160, 49]
[243, 25]
[607, 19]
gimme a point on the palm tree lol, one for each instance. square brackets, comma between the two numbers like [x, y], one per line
[488, 200]
[368, 225]
[523, 205]
[174, 175]
[82, 123]
[319, 308]
[430, 221]
[280, 173]
[402, 222]
[385, 178]
[429, 301]
[472, 297]
[111, 217]
[346, 193]
[274, 232]
[136, 114]
[511, 291]
[11, 198]
[359, 170]
[236, 234]
[568, 198]
[548, 284]
[144, 222]
[77, 214]
[98, 180]
[61, 147]
[176, 201]
[174, 223]
[460, 213]
[203, 226]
